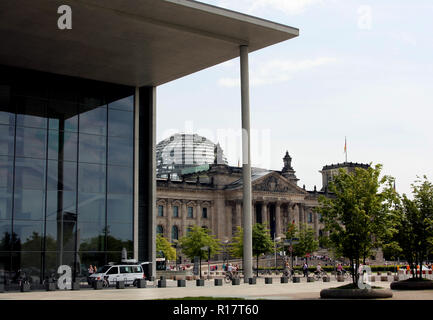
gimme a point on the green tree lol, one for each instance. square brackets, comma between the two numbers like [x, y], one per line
[307, 242]
[358, 213]
[262, 242]
[414, 237]
[164, 246]
[236, 247]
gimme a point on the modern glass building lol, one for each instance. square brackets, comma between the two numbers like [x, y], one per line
[66, 172]
[78, 120]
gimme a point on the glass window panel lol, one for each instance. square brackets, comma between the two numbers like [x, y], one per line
[204, 213]
[92, 148]
[91, 178]
[93, 121]
[6, 172]
[120, 235]
[7, 134]
[62, 145]
[120, 151]
[54, 232]
[30, 142]
[29, 235]
[5, 203]
[120, 179]
[91, 207]
[126, 104]
[30, 174]
[190, 212]
[119, 208]
[91, 236]
[120, 124]
[30, 264]
[61, 201]
[63, 116]
[174, 233]
[61, 175]
[29, 204]
[175, 211]
[160, 211]
[31, 112]
[5, 235]
[160, 230]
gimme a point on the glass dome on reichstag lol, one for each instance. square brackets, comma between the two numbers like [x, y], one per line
[181, 153]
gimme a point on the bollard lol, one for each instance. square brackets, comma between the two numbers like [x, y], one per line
[326, 279]
[162, 278]
[141, 283]
[284, 280]
[296, 280]
[97, 285]
[252, 280]
[25, 287]
[384, 278]
[120, 284]
[310, 279]
[340, 278]
[162, 283]
[75, 285]
[236, 281]
[218, 282]
[199, 282]
[268, 280]
[181, 283]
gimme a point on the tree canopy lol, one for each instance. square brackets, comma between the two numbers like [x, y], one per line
[164, 246]
[197, 238]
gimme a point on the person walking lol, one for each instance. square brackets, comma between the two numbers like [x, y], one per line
[305, 268]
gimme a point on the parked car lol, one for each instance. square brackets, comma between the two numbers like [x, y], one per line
[118, 272]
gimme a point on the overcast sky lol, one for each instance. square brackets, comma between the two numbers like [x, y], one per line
[360, 69]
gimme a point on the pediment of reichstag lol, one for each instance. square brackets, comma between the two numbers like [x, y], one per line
[274, 182]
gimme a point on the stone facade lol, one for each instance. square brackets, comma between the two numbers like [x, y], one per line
[213, 199]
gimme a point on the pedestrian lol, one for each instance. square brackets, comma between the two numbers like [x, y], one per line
[90, 270]
[305, 268]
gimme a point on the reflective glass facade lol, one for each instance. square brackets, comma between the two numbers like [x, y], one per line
[66, 172]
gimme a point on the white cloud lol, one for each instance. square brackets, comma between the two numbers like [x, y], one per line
[276, 71]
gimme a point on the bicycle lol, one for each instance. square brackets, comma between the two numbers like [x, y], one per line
[344, 273]
[319, 275]
[288, 274]
[230, 276]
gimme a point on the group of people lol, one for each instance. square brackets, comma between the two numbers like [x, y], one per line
[92, 270]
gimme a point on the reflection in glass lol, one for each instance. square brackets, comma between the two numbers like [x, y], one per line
[90, 258]
[62, 145]
[93, 121]
[120, 179]
[29, 204]
[91, 178]
[5, 203]
[126, 104]
[5, 235]
[119, 208]
[29, 235]
[60, 201]
[92, 148]
[6, 172]
[91, 207]
[29, 263]
[31, 112]
[30, 142]
[7, 140]
[61, 175]
[53, 236]
[7, 115]
[120, 123]
[91, 236]
[120, 151]
[30, 174]
[119, 236]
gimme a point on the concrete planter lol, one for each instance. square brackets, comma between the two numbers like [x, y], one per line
[326, 279]
[236, 282]
[120, 284]
[296, 280]
[384, 278]
[162, 283]
[340, 278]
[199, 283]
[218, 282]
[396, 278]
[25, 287]
[355, 294]
[252, 280]
[181, 283]
[97, 285]
[284, 280]
[310, 279]
[141, 283]
[268, 280]
[50, 286]
[372, 279]
[75, 286]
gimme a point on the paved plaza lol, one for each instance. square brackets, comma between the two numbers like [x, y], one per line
[275, 291]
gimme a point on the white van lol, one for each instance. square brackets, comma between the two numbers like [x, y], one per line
[118, 272]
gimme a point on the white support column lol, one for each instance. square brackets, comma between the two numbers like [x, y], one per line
[246, 165]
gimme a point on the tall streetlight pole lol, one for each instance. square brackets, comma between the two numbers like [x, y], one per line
[275, 249]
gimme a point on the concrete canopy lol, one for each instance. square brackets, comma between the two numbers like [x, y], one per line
[130, 42]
